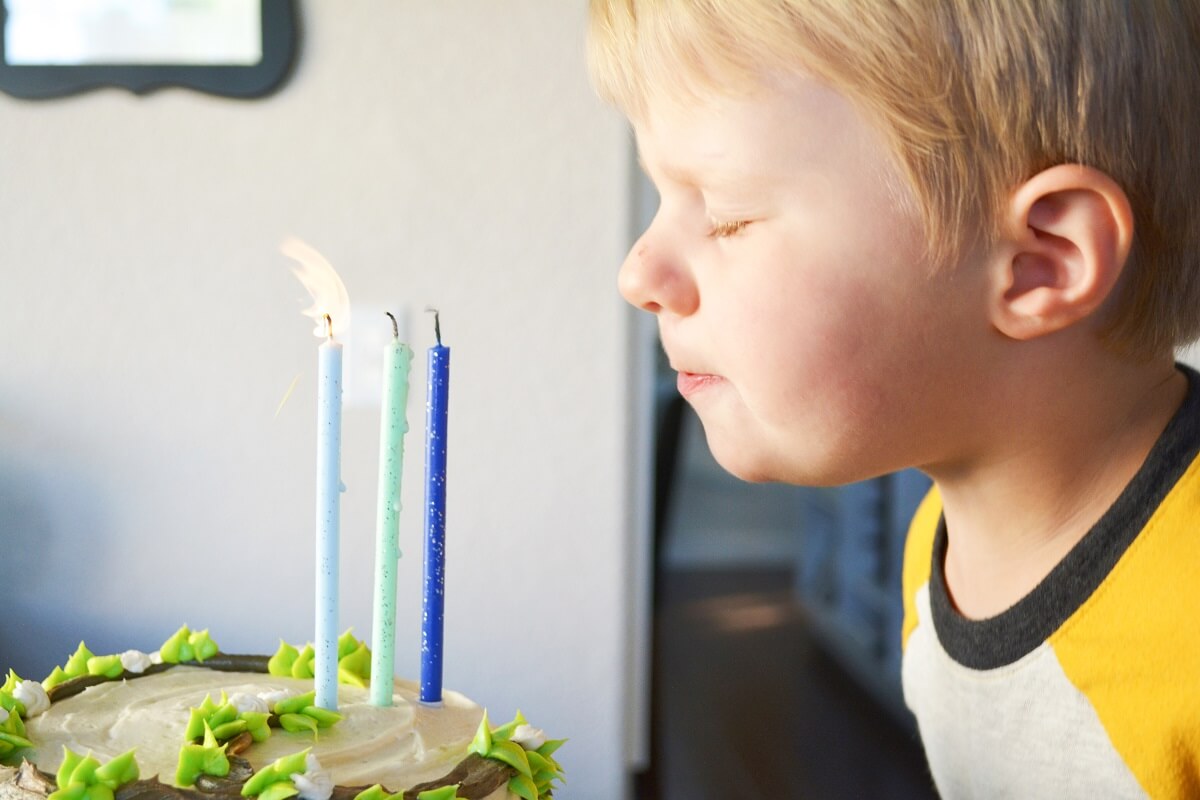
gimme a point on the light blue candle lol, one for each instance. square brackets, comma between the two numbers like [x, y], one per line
[434, 596]
[329, 488]
[393, 424]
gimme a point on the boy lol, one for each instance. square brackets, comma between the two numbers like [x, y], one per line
[962, 236]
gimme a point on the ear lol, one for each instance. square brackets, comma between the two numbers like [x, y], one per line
[1069, 231]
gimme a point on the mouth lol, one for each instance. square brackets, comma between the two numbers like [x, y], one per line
[692, 383]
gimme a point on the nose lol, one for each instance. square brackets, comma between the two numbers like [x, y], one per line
[655, 279]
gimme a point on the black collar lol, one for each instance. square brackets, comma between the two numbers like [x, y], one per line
[1017, 631]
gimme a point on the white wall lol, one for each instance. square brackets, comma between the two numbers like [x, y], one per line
[446, 153]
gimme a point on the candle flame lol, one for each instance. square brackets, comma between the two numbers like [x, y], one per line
[324, 286]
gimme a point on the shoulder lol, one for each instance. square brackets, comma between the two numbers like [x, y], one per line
[1129, 650]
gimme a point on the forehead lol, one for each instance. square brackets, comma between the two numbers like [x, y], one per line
[779, 126]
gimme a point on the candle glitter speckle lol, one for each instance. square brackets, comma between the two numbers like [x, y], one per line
[393, 426]
[433, 598]
[331, 311]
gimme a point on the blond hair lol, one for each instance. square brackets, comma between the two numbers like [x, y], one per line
[973, 97]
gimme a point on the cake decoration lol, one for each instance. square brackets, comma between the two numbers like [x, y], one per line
[278, 780]
[215, 757]
[12, 733]
[445, 793]
[185, 646]
[299, 714]
[536, 768]
[136, 661]
[353, 657]
[206, 758]
[84, 778]
[224, 721]
[26, 698]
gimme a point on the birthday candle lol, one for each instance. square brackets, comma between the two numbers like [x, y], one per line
[433, 607]
[393, 424]
[331, 310]
[329, 481]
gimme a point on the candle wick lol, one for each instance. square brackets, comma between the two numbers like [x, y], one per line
[395, 325]
[437, 325]
[328, 326]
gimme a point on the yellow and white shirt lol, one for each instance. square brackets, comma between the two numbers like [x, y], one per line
[1088, 687]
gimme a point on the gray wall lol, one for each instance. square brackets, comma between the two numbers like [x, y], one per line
[445, 153]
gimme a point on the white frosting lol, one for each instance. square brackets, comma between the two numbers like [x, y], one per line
[33, 696]
[135, 661]
[399, 746]
[156, 657]
[3, 715]
[529, 737]
[314, 783]
[244, 702]
[274, 696]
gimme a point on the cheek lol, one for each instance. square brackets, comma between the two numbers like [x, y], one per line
[838, 359]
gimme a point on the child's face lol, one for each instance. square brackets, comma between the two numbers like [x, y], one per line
[810, 335]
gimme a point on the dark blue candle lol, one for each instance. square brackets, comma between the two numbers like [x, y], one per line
[433, 607]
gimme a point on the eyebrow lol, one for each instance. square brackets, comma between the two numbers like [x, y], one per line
[676, 174]
[717, 177]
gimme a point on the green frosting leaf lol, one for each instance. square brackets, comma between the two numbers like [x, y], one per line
[347, 644]
[375, 792]
[199, 717]
[11, 742]
[176, 649]
[354, 668]
[55, 678]
[76, 665]
[506, 730]
[294, 705]
[12, 735]
[84, 662]
[537, 771]
[281, 663]
[482, 743]
[354, 661]
[121, 770]
[550, 747]
[8, 701]
[81, 777]
[108, 666]
[523, 786]
[512, 754]
[295, 723]
[223, 721]
[184, 646]
[324, 717]
[203, 646]
[201, 759]
[277, 773]
[279, 791]
[299, 713]
[303, 666]
[257, 725]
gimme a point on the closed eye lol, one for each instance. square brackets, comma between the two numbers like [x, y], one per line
[722, 230]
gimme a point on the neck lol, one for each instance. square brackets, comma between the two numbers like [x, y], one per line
[1051, 464]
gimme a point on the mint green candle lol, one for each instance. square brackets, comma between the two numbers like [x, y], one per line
[393, 424]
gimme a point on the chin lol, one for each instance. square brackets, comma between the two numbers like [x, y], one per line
[751, 473]
[743, 461]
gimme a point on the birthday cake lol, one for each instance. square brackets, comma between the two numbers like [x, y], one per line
[189, 722]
